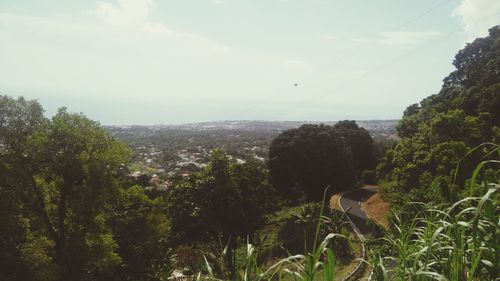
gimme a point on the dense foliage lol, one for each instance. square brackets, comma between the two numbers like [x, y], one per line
[68, 210]
[360, 144]
[308, 159]
[437, 133]
[60, 199]
[225, 202]
[140, 227]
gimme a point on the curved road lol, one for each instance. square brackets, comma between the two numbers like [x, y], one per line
[350, 201]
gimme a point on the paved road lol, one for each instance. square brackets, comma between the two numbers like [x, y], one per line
[350, 202]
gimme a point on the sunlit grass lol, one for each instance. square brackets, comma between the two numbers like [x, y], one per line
[457, 242]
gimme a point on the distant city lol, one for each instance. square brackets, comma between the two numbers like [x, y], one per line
[162, 153]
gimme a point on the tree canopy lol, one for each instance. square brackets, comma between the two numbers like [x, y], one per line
[224, 202]
[360, 144]
[439, 131]
[308, 159]
[60, 189]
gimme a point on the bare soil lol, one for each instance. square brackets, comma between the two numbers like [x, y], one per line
[377, 209]
[334, 202]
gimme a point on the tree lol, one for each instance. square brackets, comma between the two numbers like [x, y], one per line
[438, 132]
[78, 172]
[256, 195]
[59, 175]
[24, 253]
[140, 227]
[308, 159]
[359, 142]
[224, 202]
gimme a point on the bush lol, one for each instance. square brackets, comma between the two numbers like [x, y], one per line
[297, 233]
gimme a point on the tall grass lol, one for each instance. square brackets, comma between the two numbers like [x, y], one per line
[489, 150]
[457, 242]
[460, 241]
[317, 264]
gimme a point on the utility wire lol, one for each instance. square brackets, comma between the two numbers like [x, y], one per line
[376, 41]
[377, 69]
[404, 57]
[350, 54]
[384, 66]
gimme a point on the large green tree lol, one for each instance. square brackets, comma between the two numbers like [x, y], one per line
[224, 202]
[360, 143]
[438, 132]
[77, 168]
[63, 212]
[102, 231]
[304, 161]
[24, 251]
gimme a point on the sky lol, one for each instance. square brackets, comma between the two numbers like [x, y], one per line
[168, 62]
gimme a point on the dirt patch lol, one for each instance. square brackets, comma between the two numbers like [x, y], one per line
[377, 209]
[334, 202]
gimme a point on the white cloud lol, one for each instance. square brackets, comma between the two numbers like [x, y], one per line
[125, 12]
[133, 16]
[121, 62]
[405, 38]
[478, 16]
[119, 52]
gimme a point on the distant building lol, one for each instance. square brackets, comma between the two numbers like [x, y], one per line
[259, 158]
[135, 174]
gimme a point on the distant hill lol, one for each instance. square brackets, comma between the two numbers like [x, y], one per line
[376, 127]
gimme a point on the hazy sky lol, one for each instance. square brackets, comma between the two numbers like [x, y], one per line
[147, 61]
